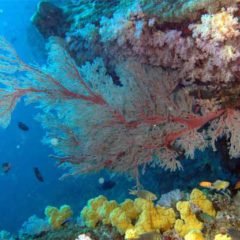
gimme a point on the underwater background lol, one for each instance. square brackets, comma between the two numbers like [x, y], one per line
[30, 178]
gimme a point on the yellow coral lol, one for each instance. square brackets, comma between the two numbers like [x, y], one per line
[130, 209]
[90, 213]
[198, 198]
[95, 203]
[188, 221]
[105, 210]
[140, 204]
[131, 233]
[153, 218]
[109, 212]
[167, 218]
[194, 235]
[57, 217]
[222, 237]
[120, 220]
[146, 216]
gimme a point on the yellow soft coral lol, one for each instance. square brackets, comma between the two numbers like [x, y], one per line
[130, 209]
[57, 217]
[188, 221]
[199, 199]
[99, 209]
[90, 213]
[142, 212]
[153, 218]
[105, 210]
[194, 235]
[120, 220]
[131, 233]
[165, 218]
[222, 237]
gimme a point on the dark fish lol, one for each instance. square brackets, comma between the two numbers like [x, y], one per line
[38, 174]
[6, 167]
[107, 184]
[23, 126]
[150, 236]
[68, 220]
[234, 234]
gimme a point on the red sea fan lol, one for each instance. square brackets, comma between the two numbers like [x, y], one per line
[97, 124]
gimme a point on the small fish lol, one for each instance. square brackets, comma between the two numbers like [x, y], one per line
[23, 126]
[148, 236]
[237, 185]
[143, 194]
[204, 217]
[38, 174]
[68, 220]
[6, 167]
[218, 185]
[234, 234]
[107, 184]
[205, 184]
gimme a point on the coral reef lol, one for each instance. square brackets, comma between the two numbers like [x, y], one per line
[198, 216]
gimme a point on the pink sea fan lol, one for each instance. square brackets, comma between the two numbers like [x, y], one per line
[149, 119]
